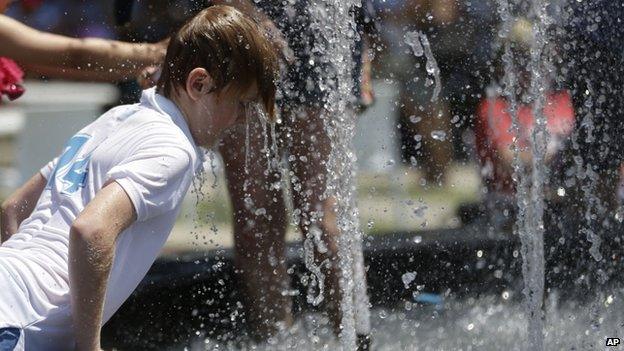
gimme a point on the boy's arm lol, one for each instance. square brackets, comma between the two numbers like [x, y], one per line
[19, 205]
[91, 250]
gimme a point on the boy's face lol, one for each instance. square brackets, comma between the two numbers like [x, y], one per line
[230, 108]
[222, 111]
[210, 113]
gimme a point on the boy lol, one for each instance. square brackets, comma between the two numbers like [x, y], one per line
[79, 236]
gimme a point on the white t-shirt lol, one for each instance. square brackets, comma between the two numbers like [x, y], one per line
[147, 148]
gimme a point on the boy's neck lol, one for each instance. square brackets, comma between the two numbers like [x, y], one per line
[191, 117]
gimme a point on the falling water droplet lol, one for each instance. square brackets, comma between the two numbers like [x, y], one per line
[247, 143]
[609, 300]
[370, 224]
[407, 278]
[439, 135]
[413, 40]
[420, 211]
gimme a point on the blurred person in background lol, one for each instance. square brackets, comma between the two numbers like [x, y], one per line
[259, 207]
[459, 35]
[494, 132]
[592, 68]
[72, 18]
[58, 56]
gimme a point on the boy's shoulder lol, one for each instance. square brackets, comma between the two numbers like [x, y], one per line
[140, 127]
[140, 119]
[136, 115]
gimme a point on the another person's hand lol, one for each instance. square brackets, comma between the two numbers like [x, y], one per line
[149, 77]
[160, 49]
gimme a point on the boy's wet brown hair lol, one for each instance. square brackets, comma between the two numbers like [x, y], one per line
[231, 47]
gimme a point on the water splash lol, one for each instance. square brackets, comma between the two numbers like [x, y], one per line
[530, 187]
[265, 136]
[197, 189]
[439, 135]
[247, 145]
[212, 156]
[335, 22]
[487, 323]
[413, 40]
[533, 243]
[318, 281]
[213, 169]
[432, 67]
[274, 147]
[419, 43]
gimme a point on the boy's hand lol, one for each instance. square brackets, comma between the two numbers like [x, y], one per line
[20, 205]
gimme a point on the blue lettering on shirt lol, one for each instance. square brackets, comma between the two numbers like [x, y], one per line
[72, 171]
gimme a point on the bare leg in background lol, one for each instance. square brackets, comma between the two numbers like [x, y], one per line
[259, 217]
[436, 154]
[310, 148]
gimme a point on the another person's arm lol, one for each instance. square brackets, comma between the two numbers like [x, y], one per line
[60, 56]
[91, 250]
[19, 205]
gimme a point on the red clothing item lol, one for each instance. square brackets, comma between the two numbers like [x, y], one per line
[31, 5]
[494, 135]
[494, 115]
[11, 76]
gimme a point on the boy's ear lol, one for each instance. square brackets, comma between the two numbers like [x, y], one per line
[198, 83]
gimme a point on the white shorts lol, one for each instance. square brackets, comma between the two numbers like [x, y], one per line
[49, 332]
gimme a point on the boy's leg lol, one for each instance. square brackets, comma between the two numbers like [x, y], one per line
[259, 232]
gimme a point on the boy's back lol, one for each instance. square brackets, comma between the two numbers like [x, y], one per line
[146, 148]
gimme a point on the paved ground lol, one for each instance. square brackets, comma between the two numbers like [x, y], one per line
[387, 202]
